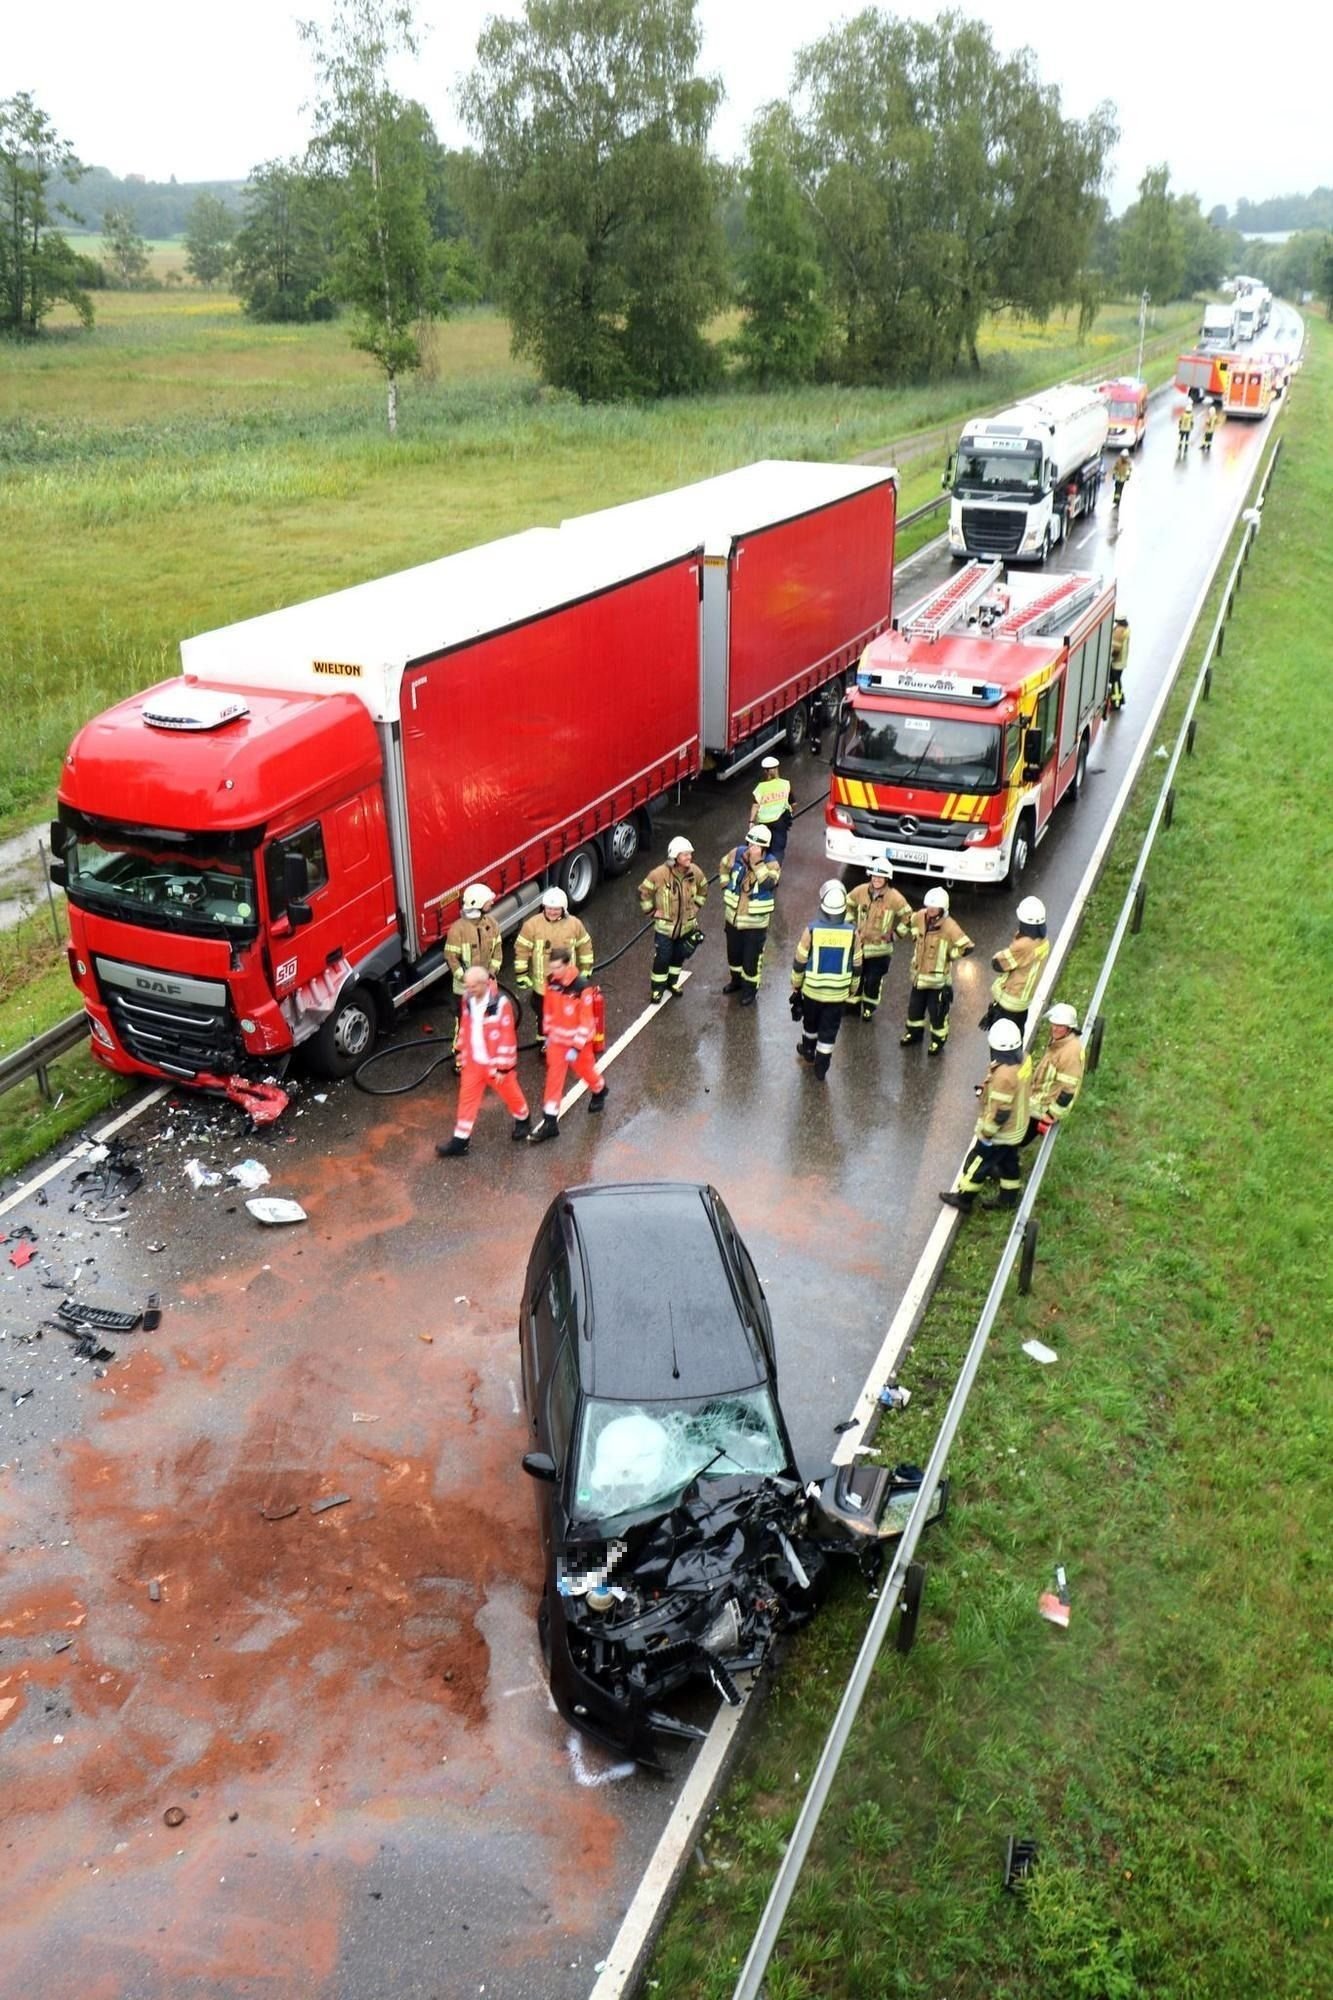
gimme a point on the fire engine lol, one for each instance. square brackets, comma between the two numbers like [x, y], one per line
[969, 722]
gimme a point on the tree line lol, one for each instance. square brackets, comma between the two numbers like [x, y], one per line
[913, 180]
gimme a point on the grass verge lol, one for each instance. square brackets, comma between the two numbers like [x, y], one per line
[1167, 1752]
[35, 993]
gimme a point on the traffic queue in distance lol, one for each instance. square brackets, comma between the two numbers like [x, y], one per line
[838, 971]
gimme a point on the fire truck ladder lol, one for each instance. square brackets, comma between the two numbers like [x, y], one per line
[1067, 597]
[934, 615]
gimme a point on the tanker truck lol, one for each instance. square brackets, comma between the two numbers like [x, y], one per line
[1020, 480]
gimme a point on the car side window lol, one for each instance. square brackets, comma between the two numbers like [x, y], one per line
[560, 1294]
[560, 1400]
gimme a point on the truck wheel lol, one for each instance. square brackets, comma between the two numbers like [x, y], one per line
[621, 850]
[348, 1034]
[1080, 771]
[579, 873]
[1021, 852]
[793, 736]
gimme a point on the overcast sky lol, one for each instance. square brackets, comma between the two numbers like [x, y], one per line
[162, 87]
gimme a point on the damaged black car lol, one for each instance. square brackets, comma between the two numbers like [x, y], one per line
[678, 1536]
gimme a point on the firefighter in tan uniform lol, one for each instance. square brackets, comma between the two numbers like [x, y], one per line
[552, 925]
[881, 914]
[1115, 675]
[673, 895]
[937, 943]
[1058, 1076]
[1184, 429]
[749, 881]
[1001, 1124]
[1019, 967]
[473, 939]
[1213, 419]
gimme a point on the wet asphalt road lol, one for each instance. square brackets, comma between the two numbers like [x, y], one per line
[349, 1706]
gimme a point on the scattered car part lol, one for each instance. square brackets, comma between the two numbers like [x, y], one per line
[273, 1209]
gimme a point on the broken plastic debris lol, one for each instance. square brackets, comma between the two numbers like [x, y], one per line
[1162, 752]
[249, 1174]
[96, 1154]
[891, 1397]
[1054, 1604]
[1040, 1351]
[363, 1417]
[280, 1513]
[332, 1500]
[273, 1208]
[20, 1255]
[263, 1101]
[154, 1591]
[152, 1313]
[174, 1816]
[200, 1176]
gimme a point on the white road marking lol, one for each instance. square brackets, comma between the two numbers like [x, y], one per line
[82, 1150]
[618, 1047]
[613, 1774]
[513, 1396]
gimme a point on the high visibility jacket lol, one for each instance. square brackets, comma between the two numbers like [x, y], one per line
[827, 957]
[1005, 1099]
[537, 939]
[772, 798]
[569, 1016]
[880, 916]
[1019, 967]
[673, 896]
[748, 892]
[1120, 472]
[1185, 421]
[934, 949]
[1119, 645]
[500, 1031]
[1213, 420]
[473, 941]
[1057, 1079]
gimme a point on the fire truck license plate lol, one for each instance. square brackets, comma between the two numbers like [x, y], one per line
[910, 857]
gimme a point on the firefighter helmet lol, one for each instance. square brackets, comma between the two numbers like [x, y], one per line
[477, 896]
[679, 846]
[759, 836]
[770, 764]
[1062, 1015]
[1032, 910]
[554, 899]
[1005, 1037]
[937, 899]
[833, 899]
[882, 866]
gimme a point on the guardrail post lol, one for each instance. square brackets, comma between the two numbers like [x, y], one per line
[1169, 809]
[1217, 643]
[43, 1081]
[1208, 678]
[1029, 1255]
[909, 1605]
[1190, 734]
[1096, 1029]
[1140, 898]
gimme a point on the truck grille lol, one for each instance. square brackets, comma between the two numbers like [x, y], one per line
[942, 833]
[993, 531]
[175, 1036]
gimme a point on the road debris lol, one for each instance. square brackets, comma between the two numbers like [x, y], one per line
[20, 1255]
[106, 1319]
[363, 1417]
[1054, 1604]
[152, 1313]
[1020, 1858]
[174, 1816]
[154, 1590]
[249, 1174]
[280, 1513]
[273, 1209]
[333, 1500]
[891, 1397]
[199, 1176]
[1040, 1351]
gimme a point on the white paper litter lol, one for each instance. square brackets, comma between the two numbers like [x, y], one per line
[1039, 1351]
[200, 1176]
[249, 1174]
[273, 1208]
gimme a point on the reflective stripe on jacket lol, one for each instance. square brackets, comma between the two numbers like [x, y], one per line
[772, 798]
[500, 1032]
[1019, 967]
[473, 942]
[536, 941]
[1004, 1102]
[880, 916]
[673, 897]
[826, 958]
[1057, 1079]
[748, 892]
[569, 1016]
[934, 949]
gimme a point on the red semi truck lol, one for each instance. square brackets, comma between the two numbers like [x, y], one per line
[267, 851]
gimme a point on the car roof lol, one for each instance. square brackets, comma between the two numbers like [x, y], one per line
[656, 1275]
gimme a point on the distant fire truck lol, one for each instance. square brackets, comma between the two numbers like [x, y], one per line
[969, 722]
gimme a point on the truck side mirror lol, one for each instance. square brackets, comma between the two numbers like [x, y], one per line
[1031, 753]
[296, 887]
[947, 479]
[56, 869]
[539, 1465]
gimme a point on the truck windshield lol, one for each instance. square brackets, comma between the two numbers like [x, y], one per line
[168, 882]
[955, 754]
[638, 1455]
[980, 470]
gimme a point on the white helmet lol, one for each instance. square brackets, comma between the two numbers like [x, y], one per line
[770, 764]
[881, 865]
[477, 896]
[1005, 1037]
[554, 899]
[833, 899]
[1062, 1015]
[759, 836]
[1032, 910]
[937, 899]
[679, 846]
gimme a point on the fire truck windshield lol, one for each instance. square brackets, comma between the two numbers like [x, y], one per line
[203, 886]
[953, 753]
[983, 471]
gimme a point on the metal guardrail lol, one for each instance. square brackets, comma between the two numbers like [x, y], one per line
[1020, 1242]
[33, 1057]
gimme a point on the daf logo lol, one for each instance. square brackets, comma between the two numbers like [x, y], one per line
[166, 986]
[907, 824]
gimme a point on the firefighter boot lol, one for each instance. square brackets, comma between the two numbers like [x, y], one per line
[454, 1150]
[549, 1128]
[953, 1199]
[522, 1126]
[1003, 1198]
[597, 1099]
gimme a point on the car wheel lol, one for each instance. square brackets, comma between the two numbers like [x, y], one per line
[345, 1039]
[1021, 852]
[579, 872]
[622, 846]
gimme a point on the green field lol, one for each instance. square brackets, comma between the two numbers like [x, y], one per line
[1169, 1752]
